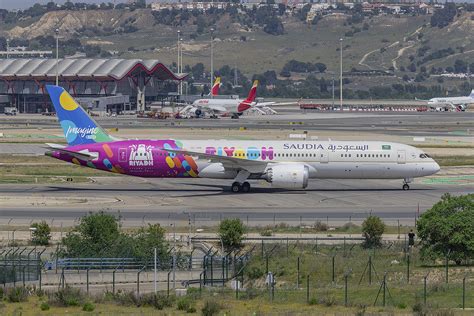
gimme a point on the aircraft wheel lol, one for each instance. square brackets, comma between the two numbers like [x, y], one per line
[246, 187]
[406, 187]
[236, 187]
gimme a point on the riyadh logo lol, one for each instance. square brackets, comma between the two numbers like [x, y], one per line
[140, 156]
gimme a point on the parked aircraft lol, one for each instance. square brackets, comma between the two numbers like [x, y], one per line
[215, 87]
[455, 103]
[285, 164]
[215, 106]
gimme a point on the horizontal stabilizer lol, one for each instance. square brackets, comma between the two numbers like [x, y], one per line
[83, 154]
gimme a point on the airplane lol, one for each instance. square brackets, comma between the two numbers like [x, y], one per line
[223, 106]
[456, 103]
[284, 164]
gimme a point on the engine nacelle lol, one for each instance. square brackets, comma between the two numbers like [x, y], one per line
[288, 176]
[198, 112]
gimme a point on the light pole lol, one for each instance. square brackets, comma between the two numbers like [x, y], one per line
[181, 65]
[57, 56]
[212, 58]
[340, 78]
[8, 46]
[178, 65]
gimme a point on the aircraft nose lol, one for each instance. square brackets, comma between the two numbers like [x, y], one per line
[435, 167]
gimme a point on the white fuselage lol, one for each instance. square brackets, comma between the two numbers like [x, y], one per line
[219, 105]
[324, 159]
[463, 101]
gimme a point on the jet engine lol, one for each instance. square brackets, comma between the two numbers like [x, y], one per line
[288, 176]
[198, 112]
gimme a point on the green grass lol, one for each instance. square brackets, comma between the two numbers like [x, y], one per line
[452, 161]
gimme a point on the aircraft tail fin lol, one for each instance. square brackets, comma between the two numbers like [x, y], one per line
[253, 92]
[472, 94]
[216, 86]
[78, 127]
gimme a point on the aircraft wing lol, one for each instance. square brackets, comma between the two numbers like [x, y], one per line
[276, 103]
[215, 108]
[252, 166]
[83, 154]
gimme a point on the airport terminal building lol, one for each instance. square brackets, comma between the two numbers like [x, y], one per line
[102, 85]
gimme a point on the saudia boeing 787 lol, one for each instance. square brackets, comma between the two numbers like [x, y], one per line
[284, 164]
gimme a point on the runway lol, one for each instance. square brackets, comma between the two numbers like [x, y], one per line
[206, 202]
[394, 123]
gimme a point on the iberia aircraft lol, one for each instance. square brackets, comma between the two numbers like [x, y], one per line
[224, 106]
[216, 86]
[285, 164]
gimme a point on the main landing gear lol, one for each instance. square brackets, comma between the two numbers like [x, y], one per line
[237, 187]
[240, 185]
[405, 186]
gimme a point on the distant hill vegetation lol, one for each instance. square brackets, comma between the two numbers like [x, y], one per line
[294, 52]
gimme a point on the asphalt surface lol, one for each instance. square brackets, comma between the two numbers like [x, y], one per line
[396, 123]
[205, 202]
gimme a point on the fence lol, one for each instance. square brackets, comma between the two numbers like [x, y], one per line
[20, 265]
[349, 275]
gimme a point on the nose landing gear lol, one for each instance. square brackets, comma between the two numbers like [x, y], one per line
[405, 186]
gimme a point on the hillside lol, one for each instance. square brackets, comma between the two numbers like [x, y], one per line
[406, 44]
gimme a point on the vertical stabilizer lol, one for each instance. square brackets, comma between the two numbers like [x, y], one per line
[78, 127]
[216, 86]
[253, 92]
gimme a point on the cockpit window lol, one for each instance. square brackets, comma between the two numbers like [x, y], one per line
[423, 156]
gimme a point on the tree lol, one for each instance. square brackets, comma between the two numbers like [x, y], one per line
[372, 229]
[447, 228]
[147, 239]
[41, 235]
[97, 235]
[231, 232]
[273, 26]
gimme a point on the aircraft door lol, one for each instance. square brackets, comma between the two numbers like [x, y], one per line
[324, 156]
[401, 156]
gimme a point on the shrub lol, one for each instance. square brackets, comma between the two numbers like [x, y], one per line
[447, 228]
[372, 229]
[231, 231]
[348, 226]
[328, 300]
[267, 232]
[320, 226]
[254, 273]
[88, 307]
[126, 299]
[41, 234]
[193, 292]
[158, 301]
[186, 304]
[210, 308]
[67, 297]
[44, 306]
[17, 294]
[313, 301]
